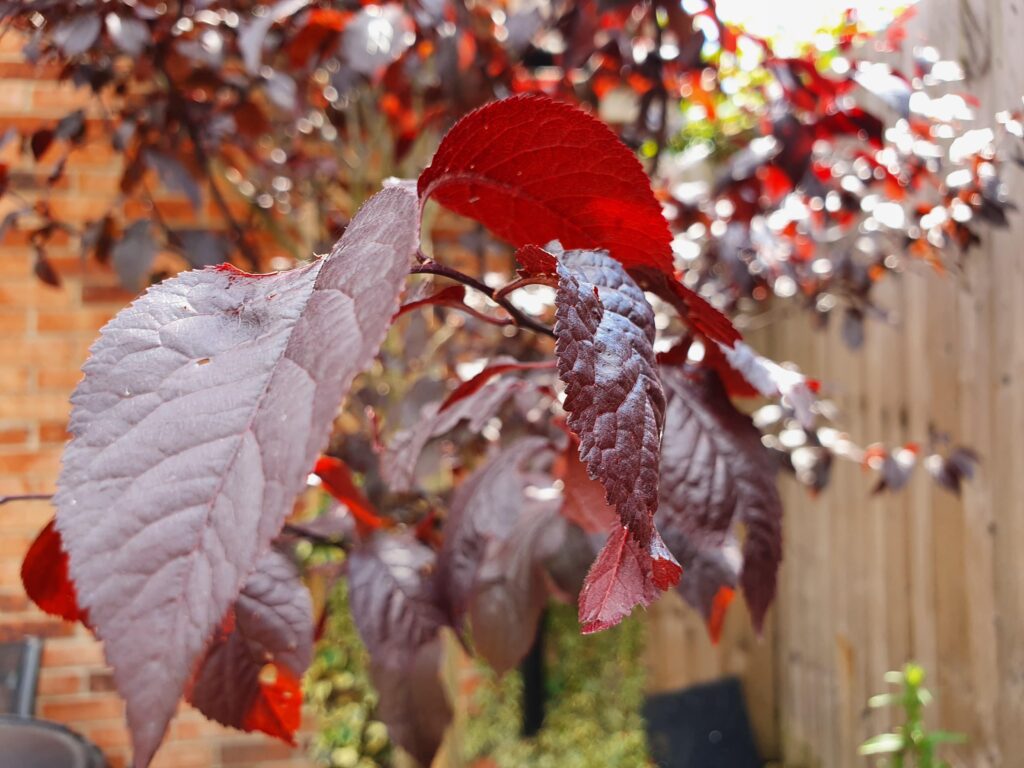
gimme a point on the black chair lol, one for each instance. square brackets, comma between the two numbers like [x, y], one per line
[24, 741]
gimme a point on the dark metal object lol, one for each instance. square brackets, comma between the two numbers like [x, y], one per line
[704, 726]
[28, 743]
[532, 669]
[19, 675]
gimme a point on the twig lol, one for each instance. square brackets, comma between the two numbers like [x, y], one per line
[315, 538]
[27, 497]
[430, 267]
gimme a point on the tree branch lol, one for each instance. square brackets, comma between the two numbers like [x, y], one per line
[430, 267]
[27, 497]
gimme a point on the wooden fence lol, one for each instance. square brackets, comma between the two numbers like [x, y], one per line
[872, 581]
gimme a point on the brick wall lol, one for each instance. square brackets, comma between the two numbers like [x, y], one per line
[45, 333]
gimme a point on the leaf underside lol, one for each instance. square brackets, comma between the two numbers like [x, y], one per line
[203, 406]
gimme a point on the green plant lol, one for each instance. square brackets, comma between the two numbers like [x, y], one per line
[595, 688]
[910, 743]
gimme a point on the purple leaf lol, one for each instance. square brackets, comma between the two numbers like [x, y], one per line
[174, 176]
[485, 509]
[393, 598]
[203, 407]
[716, 473]
[202, 247]
[77, 34]
[510, 591]
[398, 464]
[133, 255]
[413, 702]
[130, 35]
[273, 624]
[254, 33]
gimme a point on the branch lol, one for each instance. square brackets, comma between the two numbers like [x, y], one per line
[27, 497]
[430, 267]
[316, 538]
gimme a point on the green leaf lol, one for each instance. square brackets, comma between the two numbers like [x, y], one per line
[883, 744]
[946, 737]
[883, 700]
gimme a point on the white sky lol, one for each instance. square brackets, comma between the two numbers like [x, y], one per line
[794, 21]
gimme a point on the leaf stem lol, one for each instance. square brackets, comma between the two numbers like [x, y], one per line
[431, 267]
[27, 497]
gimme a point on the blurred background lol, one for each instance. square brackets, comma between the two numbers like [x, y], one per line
[165, 136]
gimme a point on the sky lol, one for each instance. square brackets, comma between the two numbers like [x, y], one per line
[793, 21]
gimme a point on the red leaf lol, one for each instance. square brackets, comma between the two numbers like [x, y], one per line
[623, 576]
[277, 710]
[534, 261]
[583, 499]
[473, 385]
[692, 307]
[533, 170]
[44, 574]
[203, 407]
[337, 480]
[250, 676]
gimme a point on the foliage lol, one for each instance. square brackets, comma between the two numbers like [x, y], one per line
[338, 688]
[595, 688]
[467, 463]
[910, 743]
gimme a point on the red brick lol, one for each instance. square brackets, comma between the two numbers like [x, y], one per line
[56, 682]
[15, 435]
[49, 628]
[55, 431]
[13, 602]
[109, 736]
[80, 710]
[254, 750]
[71, 320]
[46, 462]
[102, 681]
[79, 651]
[59, 380]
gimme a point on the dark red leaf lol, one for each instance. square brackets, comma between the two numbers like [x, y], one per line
[473, 385]
[534, 170]
[40, 142]
[604, 345]
[44, 574]
[203, 407]
[44, 270]
[624, 575]
[393, 598]
[249, 678]
[716, 474]
[133, 256]
[535, 261]
[692, 307]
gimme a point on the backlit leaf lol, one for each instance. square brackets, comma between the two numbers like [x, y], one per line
[533, 170]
